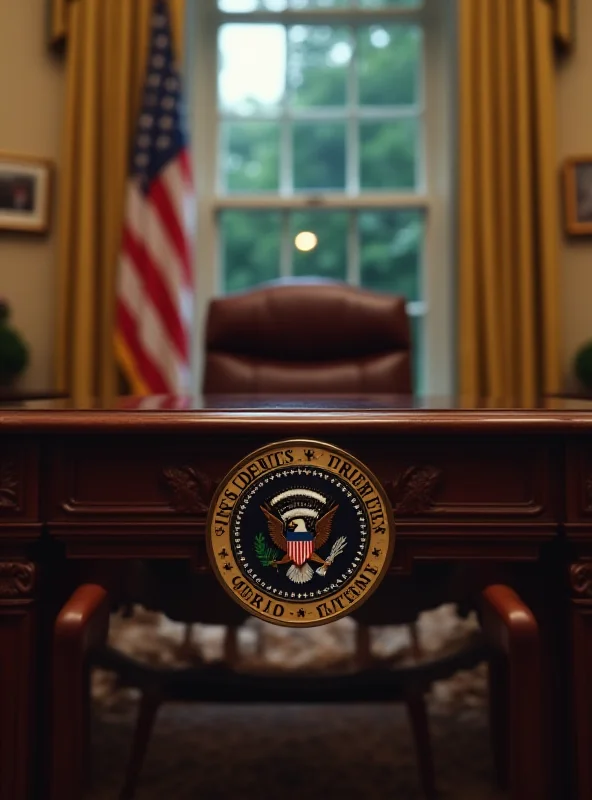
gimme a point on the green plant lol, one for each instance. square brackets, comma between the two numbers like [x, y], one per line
[266, 555]
[14, 353]
[583, 365]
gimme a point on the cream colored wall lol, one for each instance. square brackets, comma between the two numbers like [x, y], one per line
[575, 138]
[31, 89]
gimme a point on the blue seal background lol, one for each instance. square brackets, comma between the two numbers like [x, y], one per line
[348, 521]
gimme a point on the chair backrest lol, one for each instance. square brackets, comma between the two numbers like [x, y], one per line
[307, 337]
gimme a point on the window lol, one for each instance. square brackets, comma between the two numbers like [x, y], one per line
[322, 149]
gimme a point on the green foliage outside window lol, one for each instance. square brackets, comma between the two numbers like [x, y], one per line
[389, 241]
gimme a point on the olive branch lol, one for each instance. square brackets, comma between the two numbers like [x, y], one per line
[266, 555]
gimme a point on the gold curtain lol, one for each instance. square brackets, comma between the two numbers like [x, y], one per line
[564, 21]
[57, 20]
[509, 329]
[107, 42]
[58, 17]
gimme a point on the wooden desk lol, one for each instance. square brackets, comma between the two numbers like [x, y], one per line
[83, 490]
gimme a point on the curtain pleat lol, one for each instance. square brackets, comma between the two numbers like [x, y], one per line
[504, 195]
[563, 20]
[508, 248]
[547, 206]
[486, 208]
[58, 16]
[469, 362]
[106, 56]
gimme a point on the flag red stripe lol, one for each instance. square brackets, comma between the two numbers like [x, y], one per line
[185, 164]
[157, 290]
[147, 368]
[155, 283]
[162, 202]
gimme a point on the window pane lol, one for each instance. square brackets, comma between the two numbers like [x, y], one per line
[325, 233]
[318, 3]
[319, 155]
[239, 6]
[388, 154]
[418, 356]
[245, 6]
[250, 156]
[319, 57]
[252, 68]
[250, 246]
[390, 3]
[389, 68]
[391, 245]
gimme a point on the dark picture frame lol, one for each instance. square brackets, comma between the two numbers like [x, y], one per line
[25, 193]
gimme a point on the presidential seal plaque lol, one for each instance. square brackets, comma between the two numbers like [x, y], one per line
[300, 533]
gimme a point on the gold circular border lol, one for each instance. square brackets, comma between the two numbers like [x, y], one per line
[315, 611]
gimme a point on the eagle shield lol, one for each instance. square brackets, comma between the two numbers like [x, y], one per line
[300, 546]
[299, 522]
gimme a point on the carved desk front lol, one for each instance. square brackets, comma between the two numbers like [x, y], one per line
[82, 488]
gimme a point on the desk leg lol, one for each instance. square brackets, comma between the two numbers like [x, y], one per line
[17, 681]
[581, 584]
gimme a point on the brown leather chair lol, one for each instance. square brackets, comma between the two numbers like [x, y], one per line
[307, 337]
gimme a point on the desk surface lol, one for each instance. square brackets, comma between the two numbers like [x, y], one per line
[373, 412]
[291, 402]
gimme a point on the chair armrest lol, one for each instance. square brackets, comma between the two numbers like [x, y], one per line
[83, 622]
[517, 698]
[81, 626]
[507, 622]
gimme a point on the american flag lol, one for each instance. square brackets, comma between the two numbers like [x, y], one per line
[155, 278]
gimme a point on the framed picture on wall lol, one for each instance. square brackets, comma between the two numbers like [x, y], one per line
[577, 187]
[25, 192]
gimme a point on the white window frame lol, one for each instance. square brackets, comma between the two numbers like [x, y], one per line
[437, 199]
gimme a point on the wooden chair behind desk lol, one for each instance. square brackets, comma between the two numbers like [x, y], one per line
[510, 631]
[307, 337]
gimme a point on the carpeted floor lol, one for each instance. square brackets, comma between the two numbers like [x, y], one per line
[268, 752]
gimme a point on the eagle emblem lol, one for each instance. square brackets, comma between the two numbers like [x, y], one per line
[299, 533]
[299, 523]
